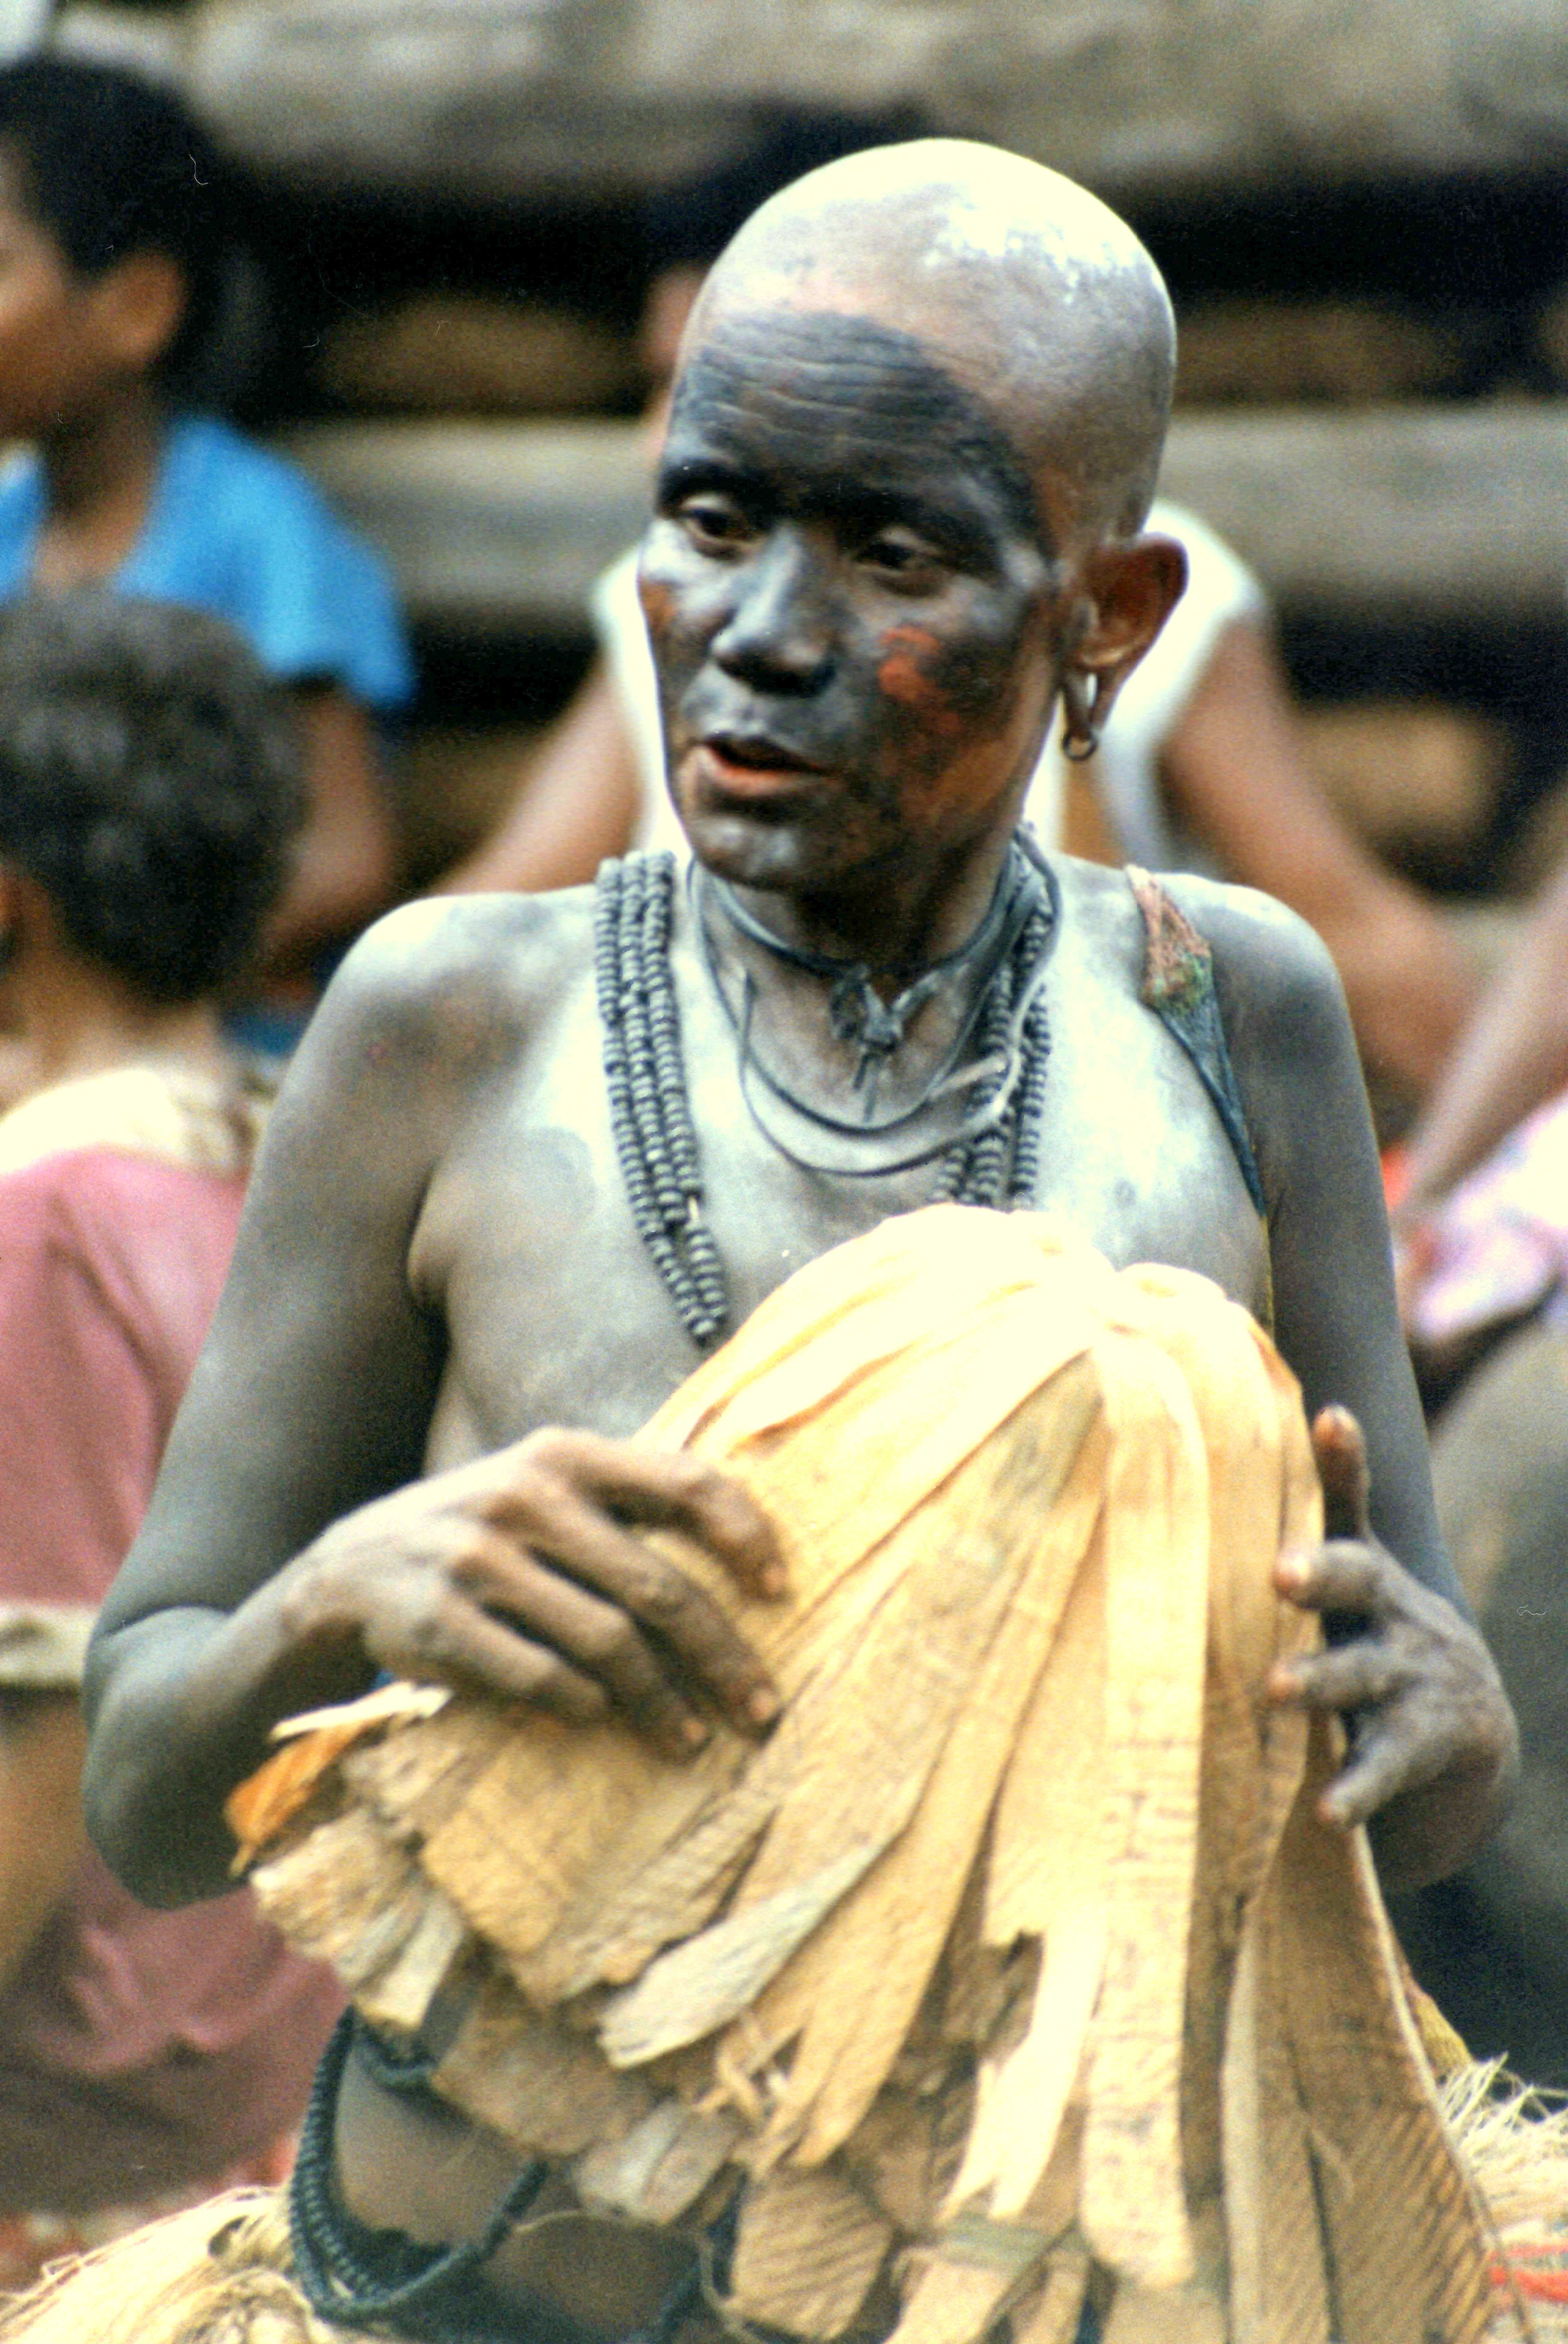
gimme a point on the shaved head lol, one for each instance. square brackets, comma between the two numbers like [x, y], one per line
[1021, 288]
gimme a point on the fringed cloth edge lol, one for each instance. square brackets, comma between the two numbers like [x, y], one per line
[219, 2273]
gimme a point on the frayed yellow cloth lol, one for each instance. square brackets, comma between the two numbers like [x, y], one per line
[1016, 1963]
[219, 2274]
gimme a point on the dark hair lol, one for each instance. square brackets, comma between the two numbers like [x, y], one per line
[149, 782]
[111, 165]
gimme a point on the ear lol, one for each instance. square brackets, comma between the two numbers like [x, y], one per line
[1125, 595]
[139, 306]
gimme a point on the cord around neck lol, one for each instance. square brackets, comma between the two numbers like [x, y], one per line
[857, 1011]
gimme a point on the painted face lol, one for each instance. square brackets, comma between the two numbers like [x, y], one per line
[48, 358]
[852, 608]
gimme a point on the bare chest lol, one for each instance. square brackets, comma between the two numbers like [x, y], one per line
[554, 1310]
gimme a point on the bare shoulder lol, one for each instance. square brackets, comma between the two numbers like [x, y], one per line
[1281, 1004]
[1262, 951]
[1273, 975]
[1283, 1008]
[440, 994]
[446, 967]
[436, 1003]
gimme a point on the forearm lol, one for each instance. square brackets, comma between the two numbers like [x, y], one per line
[345, 866]
[181, 1705]
[1408, 986]
[1513, 1058]
[576, 802]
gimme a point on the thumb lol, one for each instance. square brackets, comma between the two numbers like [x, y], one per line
[1341, 1455]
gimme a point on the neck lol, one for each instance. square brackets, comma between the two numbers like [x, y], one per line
[99, 472]
[79, 1020]
[894, 924]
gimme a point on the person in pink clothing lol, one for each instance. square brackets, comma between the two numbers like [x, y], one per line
[149, 796]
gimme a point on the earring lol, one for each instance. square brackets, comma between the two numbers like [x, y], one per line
[1080, 730]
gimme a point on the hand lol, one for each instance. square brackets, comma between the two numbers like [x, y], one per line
[516, 1576]
[1431, 1737]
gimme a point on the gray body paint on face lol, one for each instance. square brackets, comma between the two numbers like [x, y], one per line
[847, 589]
[824, 394]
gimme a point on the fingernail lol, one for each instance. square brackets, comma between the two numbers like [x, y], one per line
[762, 1704]
[1281, 1684]
[774, 1583]
[694, 1733]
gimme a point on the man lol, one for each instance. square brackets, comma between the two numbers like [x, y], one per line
[912, 445]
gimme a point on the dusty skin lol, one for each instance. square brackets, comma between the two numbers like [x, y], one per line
[897, 514]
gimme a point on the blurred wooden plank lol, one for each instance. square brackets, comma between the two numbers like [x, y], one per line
[489, 527]
[502, 526]
[1440, 509]
[509, 97]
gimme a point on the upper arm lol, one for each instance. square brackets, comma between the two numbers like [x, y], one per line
[345, 861]
[1233, 766]
[1335, 1320]
[315, 1384]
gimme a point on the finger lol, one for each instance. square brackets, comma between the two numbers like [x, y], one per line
[1342, 1454]
[1385, 1764]
[604, 1643]
[1347, 1576]
[456, 1643]
[1357, 1676]
[636, 1582]
[672, 1489]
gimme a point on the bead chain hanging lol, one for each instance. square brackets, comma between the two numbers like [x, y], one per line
[975, 1171]
[649, 1107]
[649, 1113]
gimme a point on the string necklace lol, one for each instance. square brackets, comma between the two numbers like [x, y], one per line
[1010, 950]
[992, 1157]
[855, 1010]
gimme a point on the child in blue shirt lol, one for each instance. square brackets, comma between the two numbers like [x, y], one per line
[111, 249]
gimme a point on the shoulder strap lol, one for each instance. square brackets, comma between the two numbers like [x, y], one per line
[1178, 984]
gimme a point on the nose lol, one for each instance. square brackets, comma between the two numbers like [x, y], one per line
[779, 633]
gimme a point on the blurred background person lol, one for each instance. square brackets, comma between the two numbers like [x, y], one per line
[1481, 1249]
[1198, 767]
[1481, 1208]
[149, 792]
[113, 251]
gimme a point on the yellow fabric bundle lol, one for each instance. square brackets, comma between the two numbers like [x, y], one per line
[1016, 1962]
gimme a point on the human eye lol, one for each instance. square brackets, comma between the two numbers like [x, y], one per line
[714, 521]
[904, 559]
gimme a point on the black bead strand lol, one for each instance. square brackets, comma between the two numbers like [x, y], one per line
[650, 1103]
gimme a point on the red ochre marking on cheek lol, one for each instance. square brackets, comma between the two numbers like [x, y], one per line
[658, 603]
[901, 677]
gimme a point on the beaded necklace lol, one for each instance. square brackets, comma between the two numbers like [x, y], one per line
[993, 1157]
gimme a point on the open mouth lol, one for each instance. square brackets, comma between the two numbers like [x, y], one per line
[751, 765]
